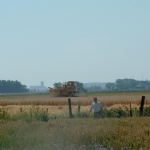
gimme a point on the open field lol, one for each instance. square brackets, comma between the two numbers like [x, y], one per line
[44, 99]
[37, 128]
[59, 105]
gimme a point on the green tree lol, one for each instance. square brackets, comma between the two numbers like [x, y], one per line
[144, 84]
[12, 87]
[57, 84]
[80, 87]
[119, 83]
[94, 88]
[126, 84]
[110, 86]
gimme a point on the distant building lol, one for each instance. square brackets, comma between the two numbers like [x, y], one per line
[38, 88]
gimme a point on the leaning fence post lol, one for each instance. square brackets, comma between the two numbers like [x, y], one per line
[142, 105]
[130, 110]
[70, 110]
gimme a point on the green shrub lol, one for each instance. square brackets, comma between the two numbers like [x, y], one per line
[146, 111]
[35, 113]
[81, 115]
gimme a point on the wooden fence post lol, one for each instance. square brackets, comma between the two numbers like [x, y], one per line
[21, 110]
[78, 108]
[130, 110]
[3, 113]
[142, 105]
[70, 110]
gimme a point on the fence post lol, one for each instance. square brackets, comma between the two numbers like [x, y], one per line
[21, 110]
[142, 105]
[130, 110]
[3, 113]
[78, 108]
[70, 110]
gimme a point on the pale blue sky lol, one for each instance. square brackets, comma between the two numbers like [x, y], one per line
[81, 40]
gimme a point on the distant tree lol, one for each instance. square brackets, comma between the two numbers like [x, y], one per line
[110, 86]
[119, 83]
[94, 88]
[129, 84]
[144, 84]
[126, 84]
[80, 87]
[12, 87]
[57, 84]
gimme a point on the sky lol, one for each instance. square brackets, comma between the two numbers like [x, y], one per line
[74, 40]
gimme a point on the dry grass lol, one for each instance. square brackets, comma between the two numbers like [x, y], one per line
[129, 132]
[59, 105]
[107, 99]
[52, 110]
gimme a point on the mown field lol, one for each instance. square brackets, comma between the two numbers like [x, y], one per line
[42, 122]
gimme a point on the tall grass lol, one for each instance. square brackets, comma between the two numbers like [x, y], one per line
[79, 134]
[37, 113]
[37, 129]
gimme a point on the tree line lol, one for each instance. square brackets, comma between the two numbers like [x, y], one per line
[12, 87]
[94, 88]
[127, 84]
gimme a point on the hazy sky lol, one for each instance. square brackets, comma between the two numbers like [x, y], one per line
[81, 40]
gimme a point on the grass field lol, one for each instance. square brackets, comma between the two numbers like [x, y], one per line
[108, 99]
[79, 134]
[58, 105]
[36, 128]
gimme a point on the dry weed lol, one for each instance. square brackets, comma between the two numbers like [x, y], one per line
[14, 103]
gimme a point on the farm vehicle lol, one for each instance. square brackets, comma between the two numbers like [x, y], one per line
[67, 89]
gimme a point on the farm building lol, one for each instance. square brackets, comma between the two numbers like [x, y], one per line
[38, 88]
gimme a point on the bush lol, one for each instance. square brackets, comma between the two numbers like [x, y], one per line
[81, 115]
[34, 114]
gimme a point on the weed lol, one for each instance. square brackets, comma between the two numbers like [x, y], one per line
[79, 134]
